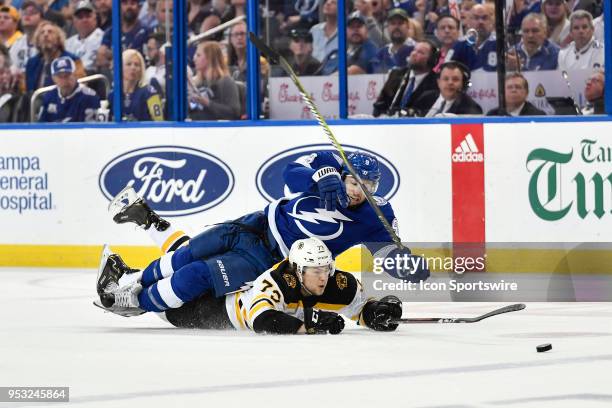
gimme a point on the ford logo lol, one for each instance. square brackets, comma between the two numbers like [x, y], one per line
[270, 181]
[173, 180]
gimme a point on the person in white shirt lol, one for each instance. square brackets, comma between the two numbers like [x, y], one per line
[24, 48]
[86, 42]
[585, 52]
[598, 23]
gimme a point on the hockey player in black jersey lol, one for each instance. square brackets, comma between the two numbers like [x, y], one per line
[302, 294]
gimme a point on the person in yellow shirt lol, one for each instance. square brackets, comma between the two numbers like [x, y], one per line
[9, 18]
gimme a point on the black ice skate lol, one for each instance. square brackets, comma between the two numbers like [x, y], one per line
[128, 207]
[123, 301]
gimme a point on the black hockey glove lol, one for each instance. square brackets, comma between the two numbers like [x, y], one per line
[331, 188]
[406, 266]
[377, 315]
[319, 322]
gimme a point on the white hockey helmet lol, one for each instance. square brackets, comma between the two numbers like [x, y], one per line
[310, 252]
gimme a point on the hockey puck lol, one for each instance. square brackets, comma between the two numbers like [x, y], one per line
[544, 347]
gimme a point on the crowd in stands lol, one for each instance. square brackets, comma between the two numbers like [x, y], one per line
[428, 50]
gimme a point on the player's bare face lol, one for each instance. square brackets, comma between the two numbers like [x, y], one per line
[314, 279]
[354, 192]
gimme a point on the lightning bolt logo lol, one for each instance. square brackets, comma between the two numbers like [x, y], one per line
[319, 215]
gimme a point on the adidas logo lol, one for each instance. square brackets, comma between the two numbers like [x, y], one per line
[467, 151]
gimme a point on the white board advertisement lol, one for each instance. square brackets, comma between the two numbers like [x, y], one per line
[549, 182]
[55, 184]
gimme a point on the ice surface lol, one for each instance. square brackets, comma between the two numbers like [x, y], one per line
[51, 334]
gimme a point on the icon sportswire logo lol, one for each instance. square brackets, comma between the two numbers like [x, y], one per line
[467, 151]
[174, 180]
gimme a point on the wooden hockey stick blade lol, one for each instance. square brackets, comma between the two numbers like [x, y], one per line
[275, 58]
[506, 309]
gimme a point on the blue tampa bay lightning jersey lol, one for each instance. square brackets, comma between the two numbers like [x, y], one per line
[483, 57]
[301, 216]
[80, 106]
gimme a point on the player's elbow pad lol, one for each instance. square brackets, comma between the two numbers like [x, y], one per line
[275, 322]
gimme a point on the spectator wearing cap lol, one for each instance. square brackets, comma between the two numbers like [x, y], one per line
[516, 92]
[86, 42]
[481, 54]
[447, 33]
[71, 101]
[375, 33]
[361, 52]
[50, 41]
[585, 52]
[325, 34]
[534, 52]
[9, 19]
[395, 54]
[24, 48]
[133, 34]
[301, 59]
[405, 85]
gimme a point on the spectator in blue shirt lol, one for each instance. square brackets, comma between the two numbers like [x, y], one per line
[361, 52]
[50, 41]
[535, 52]
[396, 53]
[141, 102]
[133, 34]
[71, 101]
[483, 53]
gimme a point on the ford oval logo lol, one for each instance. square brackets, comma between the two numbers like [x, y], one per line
[270, 182]
[173, 180]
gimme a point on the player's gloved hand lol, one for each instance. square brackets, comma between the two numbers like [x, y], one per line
[378, 315]
[319, 322]
[405, 265]
[331, 188]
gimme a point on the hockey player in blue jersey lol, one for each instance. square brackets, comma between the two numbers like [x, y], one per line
[71, 101]
[223, 258]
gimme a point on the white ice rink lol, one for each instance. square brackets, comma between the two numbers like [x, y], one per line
[52, 335]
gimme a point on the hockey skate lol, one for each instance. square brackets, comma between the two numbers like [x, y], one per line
[128, 207]
[121, 301]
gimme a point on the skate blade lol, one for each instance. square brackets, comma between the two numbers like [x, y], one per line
[106, 253]
[121, 311]
[126, 197]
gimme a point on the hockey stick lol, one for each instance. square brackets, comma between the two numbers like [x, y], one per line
[275, 58]
[506, 309]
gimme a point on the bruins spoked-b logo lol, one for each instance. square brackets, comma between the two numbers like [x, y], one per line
[290, 279]
[341, 281]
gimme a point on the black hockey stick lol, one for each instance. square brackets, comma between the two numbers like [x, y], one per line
[506, 309]
[275, 58]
